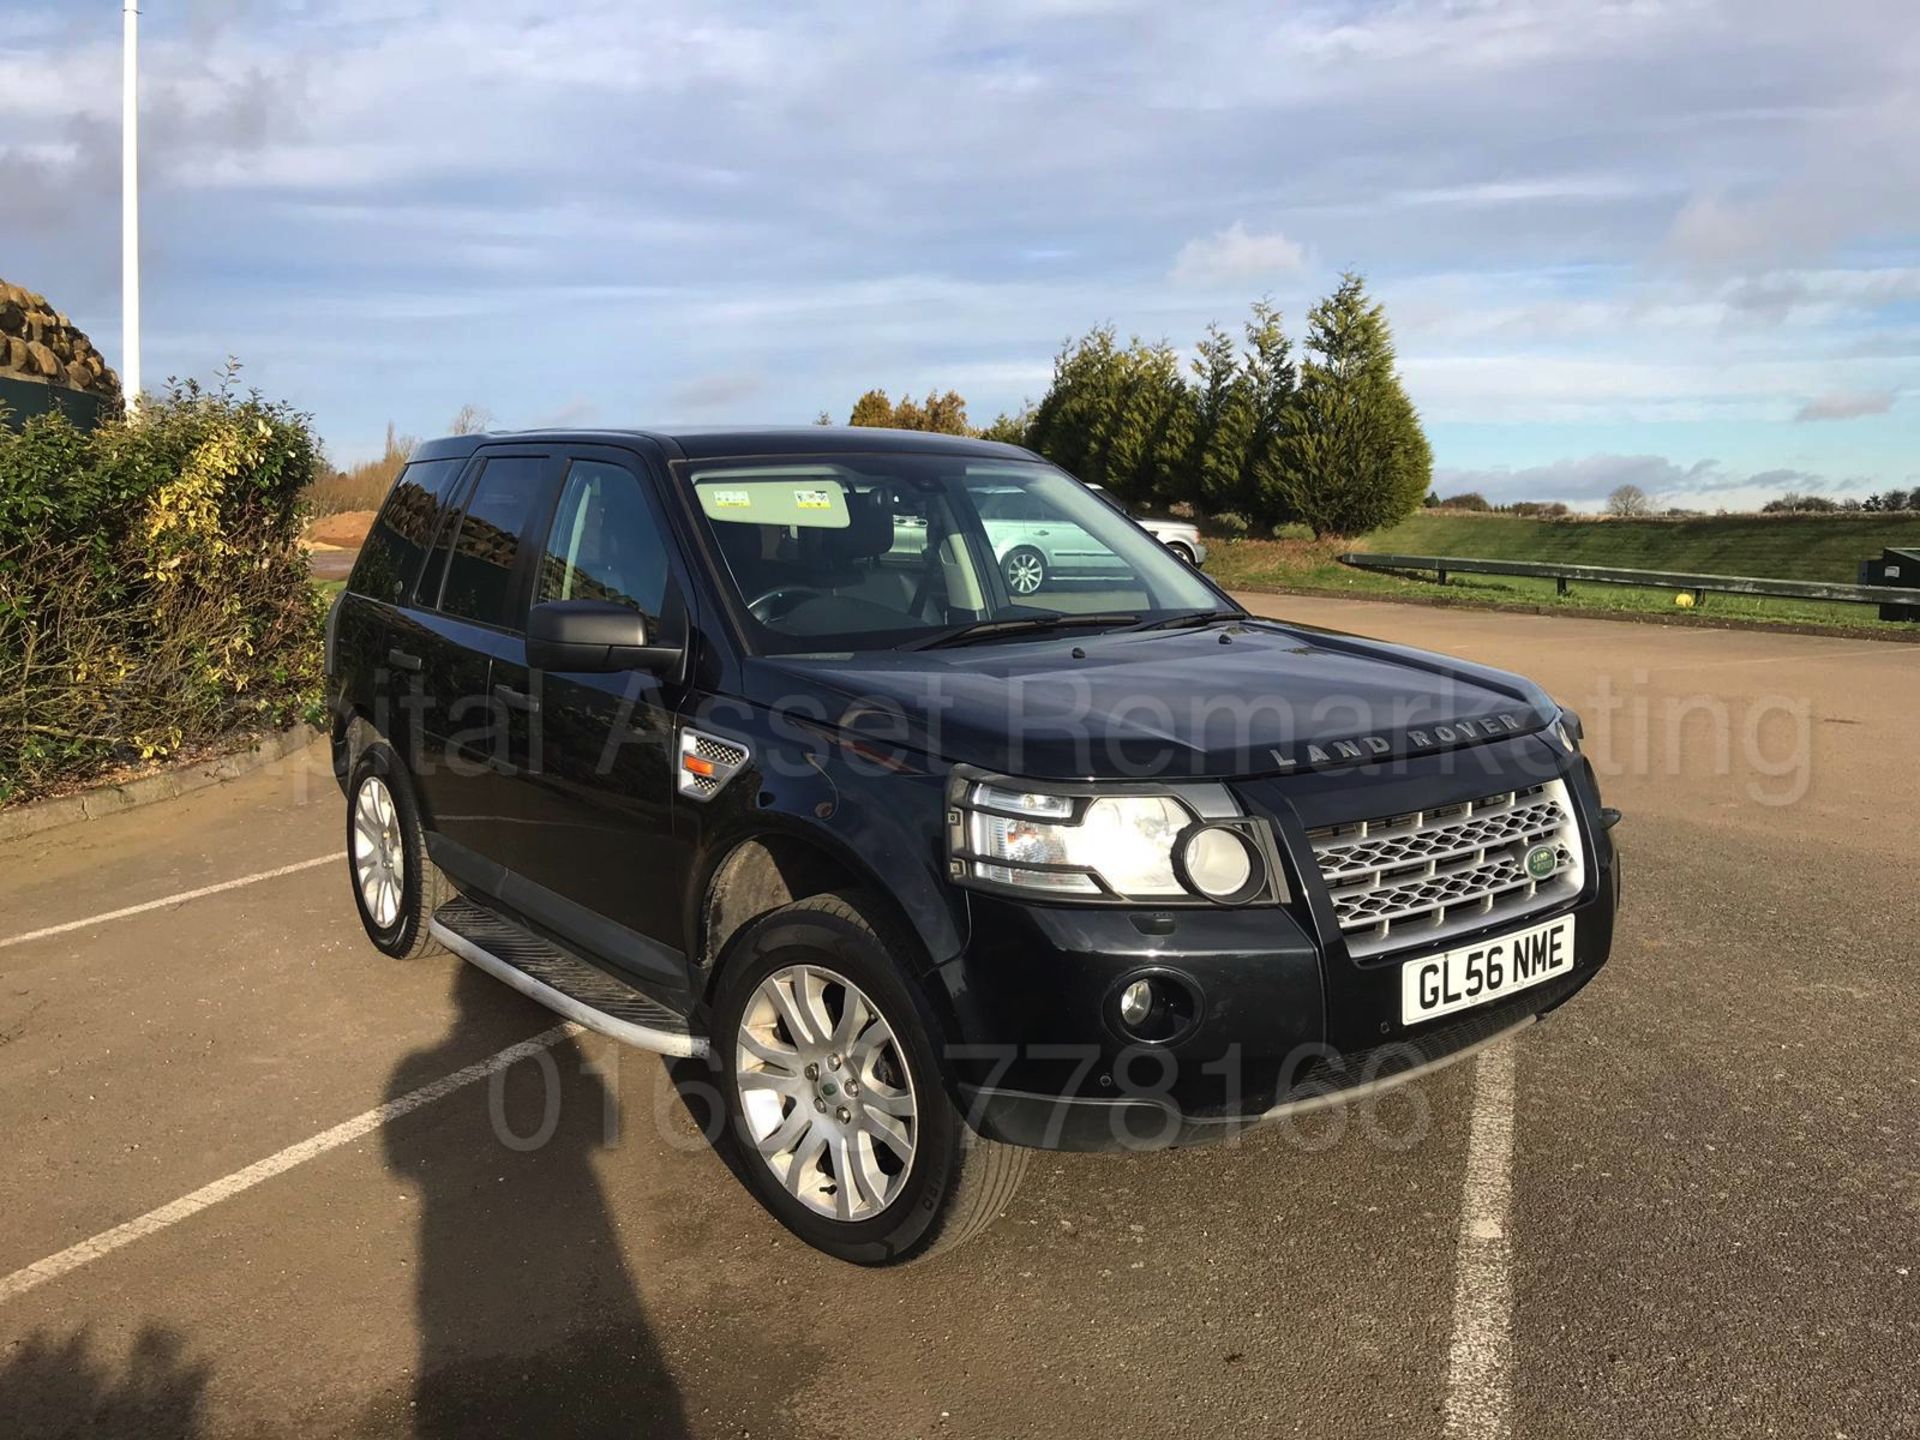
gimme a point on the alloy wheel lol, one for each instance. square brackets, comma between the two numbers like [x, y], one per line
[826, 1092]
[379, 859]
[1025, 572]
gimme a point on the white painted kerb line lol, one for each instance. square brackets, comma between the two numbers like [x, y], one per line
[345, 1133]
[180, 899]
[1479, 1395]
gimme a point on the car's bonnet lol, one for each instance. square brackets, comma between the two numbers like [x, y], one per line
[1248, 699]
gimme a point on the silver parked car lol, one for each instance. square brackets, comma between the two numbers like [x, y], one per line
[1035, 542]
[1180, 536]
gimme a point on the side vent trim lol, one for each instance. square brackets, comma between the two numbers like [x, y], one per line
[707, 762]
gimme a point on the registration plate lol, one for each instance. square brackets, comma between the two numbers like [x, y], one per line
[1436, 985]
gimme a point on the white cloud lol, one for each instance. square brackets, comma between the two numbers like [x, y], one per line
[1845, 406]
[1236, 254]
[1585, 483]
[706, 393]
[1623, 387]
[1591, 214]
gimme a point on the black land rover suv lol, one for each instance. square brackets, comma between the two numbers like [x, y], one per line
[937, 803]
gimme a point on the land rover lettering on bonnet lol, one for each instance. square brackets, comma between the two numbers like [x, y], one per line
[943, 810]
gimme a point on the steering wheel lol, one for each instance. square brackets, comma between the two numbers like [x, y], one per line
[778, 601]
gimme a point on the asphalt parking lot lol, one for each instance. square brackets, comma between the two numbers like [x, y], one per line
[1689, 1204]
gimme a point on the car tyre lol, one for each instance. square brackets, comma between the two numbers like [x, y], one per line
[831, 957]
[1180, 552]
[396, 888]
[1025, 569]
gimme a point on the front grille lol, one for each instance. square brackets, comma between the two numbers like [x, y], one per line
[1416, 879]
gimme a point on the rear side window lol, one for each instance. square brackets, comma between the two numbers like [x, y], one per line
[390, 560]
[479, 583]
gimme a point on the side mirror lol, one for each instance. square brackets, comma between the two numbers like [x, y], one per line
[594, 637]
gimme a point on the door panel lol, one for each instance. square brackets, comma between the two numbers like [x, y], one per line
[461, 766]
[595, 754]
[472, 585]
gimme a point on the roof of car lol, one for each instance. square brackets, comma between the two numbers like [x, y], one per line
[714, 444]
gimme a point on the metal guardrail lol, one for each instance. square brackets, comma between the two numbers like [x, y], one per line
[1700, 585]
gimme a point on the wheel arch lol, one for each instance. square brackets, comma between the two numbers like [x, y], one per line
[355, 726]
[761, 872]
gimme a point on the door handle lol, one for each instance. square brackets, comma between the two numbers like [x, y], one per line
[516, 699]
[401, 660]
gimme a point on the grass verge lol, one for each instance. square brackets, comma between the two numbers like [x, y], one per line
[1779, 547]
[1314, 566]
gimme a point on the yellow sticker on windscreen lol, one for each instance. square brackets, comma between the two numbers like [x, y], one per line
[775, 502]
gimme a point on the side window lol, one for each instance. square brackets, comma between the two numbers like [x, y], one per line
[390, 559]
[479, 580]
[605, 543]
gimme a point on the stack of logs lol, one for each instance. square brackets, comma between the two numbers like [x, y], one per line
[39, 343]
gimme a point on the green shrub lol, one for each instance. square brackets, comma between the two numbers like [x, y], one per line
[153, 591]
[1230, 524]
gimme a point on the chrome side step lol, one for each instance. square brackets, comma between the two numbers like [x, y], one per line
[565, 984]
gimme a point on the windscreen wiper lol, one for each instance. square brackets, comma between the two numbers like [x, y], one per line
[1193, 617]
[1019, 625]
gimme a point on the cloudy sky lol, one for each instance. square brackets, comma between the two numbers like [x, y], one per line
[1668, 241]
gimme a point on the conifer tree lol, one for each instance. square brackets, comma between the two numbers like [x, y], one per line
[1275, 381]
[1353, 457]
[872, 408]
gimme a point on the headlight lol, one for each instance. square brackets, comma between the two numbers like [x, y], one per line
[1569, 731]
[1181, 844]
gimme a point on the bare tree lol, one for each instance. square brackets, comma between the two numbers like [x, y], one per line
[471, 420]
[1628, 502]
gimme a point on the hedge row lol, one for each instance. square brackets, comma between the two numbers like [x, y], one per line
[154, 595]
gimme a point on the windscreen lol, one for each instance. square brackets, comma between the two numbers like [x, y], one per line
[873, 551]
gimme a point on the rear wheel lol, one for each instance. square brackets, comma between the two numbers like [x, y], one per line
[835, 1093]
[395, 886]
[1025, 569]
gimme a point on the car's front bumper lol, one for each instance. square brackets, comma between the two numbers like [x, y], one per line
[1039, 1058]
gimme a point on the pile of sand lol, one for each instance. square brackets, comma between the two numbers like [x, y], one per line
[345, 531]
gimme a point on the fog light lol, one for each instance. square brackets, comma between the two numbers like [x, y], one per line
[1155, 1009]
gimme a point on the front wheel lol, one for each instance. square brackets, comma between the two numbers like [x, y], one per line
[835, 1092]
[1025, 569]
[1180, 552]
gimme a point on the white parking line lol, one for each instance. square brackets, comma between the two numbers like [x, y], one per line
[1479, 1395]
[167, 900]
[107, 1241]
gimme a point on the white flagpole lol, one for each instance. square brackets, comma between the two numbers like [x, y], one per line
[130, 206]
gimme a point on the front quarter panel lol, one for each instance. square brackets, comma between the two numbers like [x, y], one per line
[878, 818]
